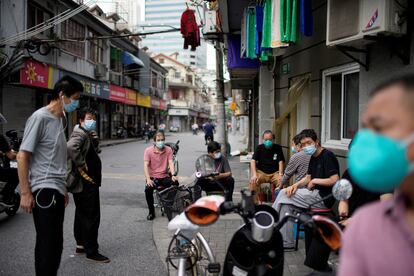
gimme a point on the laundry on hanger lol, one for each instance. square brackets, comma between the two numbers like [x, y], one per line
[189, 29]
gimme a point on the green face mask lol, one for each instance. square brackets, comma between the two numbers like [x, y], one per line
[268, 143]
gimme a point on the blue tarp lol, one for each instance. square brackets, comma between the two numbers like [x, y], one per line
[128, 59]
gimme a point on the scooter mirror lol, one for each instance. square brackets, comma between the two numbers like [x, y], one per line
[329, 231]
[342, 190]
[204, 211]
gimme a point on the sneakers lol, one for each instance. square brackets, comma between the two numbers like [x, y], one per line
[151, 216]
[97, 257]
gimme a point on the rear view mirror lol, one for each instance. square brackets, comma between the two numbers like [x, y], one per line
[342, 190]
[329, 231]
[204, 211]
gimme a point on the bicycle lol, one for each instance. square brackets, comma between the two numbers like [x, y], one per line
[189, 252]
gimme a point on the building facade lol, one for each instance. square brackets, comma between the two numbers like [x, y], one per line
[162, 15]
[109, 69]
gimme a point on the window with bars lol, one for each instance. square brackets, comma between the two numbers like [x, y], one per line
[36, 16]
[71, 29]
[96, 48]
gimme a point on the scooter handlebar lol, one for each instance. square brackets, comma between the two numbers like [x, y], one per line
[202, 175]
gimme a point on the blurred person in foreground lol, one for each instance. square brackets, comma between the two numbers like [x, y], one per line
[380, 238]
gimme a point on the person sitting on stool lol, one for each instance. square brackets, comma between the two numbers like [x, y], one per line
[224, 180]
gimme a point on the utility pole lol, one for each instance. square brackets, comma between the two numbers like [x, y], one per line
[221, 119]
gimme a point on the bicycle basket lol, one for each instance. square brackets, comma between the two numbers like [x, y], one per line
[175, 199]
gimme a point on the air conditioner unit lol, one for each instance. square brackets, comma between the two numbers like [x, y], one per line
[348, 22]
[100, 70]
[114, 78]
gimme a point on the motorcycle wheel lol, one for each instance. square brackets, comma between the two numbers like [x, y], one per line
[16, 204]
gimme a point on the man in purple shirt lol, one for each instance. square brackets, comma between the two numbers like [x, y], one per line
[380, 238]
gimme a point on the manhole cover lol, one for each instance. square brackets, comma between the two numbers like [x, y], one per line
[120, 166]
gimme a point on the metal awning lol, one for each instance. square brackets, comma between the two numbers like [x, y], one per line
[129, 59]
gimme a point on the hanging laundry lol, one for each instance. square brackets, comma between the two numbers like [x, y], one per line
[189, 30]
[259, 30]
[243, 34]
[267, 25]
[276, 36]
[288, 20]
[251, 33]
[306, 17]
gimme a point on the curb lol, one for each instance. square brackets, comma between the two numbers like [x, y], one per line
[114, 143]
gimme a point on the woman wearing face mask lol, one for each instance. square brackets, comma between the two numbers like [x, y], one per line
[84, 180]
[224, 179]
[379, 239]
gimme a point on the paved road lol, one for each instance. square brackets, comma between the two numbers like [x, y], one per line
[125, 235]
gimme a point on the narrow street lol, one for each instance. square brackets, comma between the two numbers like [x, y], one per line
[125, 236]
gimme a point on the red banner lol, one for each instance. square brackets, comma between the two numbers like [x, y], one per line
[35, 74]
[117, 93]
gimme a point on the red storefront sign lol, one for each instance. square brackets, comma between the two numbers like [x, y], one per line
[35, 73]
[117, 93]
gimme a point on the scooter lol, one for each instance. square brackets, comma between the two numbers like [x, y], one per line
[10, 198]
[257, 247]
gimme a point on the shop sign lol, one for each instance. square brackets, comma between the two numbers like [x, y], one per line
[36, 74]
[131, 97]
[91, 88]
[117, 93]
[155, 102]
[203, 115]
[193, 113]
[178, 112]
[143, 100]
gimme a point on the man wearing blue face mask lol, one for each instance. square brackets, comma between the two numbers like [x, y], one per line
[159, 170]
[224, 180]
[42, 165]
[323, 172]
[84, 180]
[379, 239]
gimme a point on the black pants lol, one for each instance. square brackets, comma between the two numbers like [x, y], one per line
[209, 135]
[87, 218]
[225, 184]
[317, 252]
[49, 230]
[149, 191]
[9, 175]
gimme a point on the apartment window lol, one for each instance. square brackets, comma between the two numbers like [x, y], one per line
[154, 80]
[116, 60]
[96, 48]
[161, 61]
[189, 78]
[177, 75]
[192, 63]
[192, 56]
[71, 29]
[340, 105]
[36, 16]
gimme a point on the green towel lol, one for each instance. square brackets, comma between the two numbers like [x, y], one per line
[288, 20]
[251, 33]
[267, 24]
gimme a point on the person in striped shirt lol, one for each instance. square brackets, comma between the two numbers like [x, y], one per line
[298, 163]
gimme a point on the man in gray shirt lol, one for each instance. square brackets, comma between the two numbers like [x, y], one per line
[42, 173]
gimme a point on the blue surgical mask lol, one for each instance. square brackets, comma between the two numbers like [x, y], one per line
[378, 163]
[268, 143]
[293, 149]
[309, 150]
[217, 155]
[90, 125]
[160, 144]
[70, 107]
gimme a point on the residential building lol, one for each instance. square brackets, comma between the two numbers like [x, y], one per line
[188, 96]
[109, 68]
[162, 15]
[323, 80]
